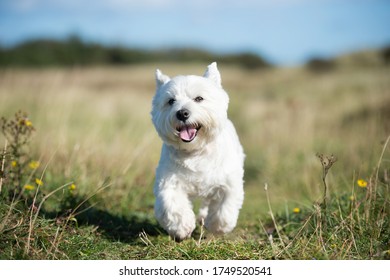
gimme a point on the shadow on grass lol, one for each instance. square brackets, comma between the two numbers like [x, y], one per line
[114, 227]
[120, 228]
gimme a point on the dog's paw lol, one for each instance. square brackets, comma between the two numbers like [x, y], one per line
[182, 233]
[220, 224]
[219, 229]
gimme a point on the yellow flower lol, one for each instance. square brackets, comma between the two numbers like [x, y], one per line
[28, 123]
[14, 163]
[351, 198]
[33, 164]
[29, 187]
[72, 187]
[362, 183]
[39, 182]
[296, 210]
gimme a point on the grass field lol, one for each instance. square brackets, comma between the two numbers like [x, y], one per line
[97, 152]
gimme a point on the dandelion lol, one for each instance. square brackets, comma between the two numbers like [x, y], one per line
[33, 164]
[296, 210]
[362, 183]
[39, 182]
[29, 187]
[14, 163]
[72, 187]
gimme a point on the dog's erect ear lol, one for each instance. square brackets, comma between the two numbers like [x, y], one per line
[161, 78]
[213, 73]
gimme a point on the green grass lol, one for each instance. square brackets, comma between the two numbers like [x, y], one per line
[93, 130]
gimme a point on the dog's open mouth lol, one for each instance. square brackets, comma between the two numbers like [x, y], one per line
[187, 133]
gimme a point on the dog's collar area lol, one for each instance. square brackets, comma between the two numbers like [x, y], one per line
[187, 133]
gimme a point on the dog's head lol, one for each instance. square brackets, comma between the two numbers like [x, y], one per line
[189, 111]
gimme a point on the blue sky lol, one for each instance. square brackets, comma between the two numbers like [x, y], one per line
[285, 32]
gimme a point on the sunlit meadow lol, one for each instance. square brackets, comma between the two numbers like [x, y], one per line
[90, 161]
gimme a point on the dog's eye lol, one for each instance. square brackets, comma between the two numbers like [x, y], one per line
[198, 99]
[171, 101]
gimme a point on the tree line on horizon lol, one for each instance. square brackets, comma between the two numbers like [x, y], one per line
[74, 52]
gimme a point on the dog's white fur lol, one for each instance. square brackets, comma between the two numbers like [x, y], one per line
[209, 166]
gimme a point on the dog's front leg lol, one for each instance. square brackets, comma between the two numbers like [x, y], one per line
[224, 209]
[173, 210]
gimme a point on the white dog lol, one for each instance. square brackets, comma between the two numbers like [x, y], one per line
[201, 155]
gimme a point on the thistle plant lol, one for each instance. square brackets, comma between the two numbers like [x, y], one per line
[326, 162]
[16, 161]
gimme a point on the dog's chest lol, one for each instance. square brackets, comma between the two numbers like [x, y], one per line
[202, 176]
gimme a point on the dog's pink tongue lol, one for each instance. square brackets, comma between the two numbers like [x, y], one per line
[187, 133]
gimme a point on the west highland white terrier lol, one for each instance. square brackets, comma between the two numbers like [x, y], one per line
[201, 155]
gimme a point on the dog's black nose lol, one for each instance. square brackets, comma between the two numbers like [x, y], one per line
[183, 115]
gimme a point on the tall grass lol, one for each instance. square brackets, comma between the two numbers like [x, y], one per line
[93, 131]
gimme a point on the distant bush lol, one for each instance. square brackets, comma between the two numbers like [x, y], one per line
[320, 65]
[385, 53]
[247, 60]
[73, 51]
